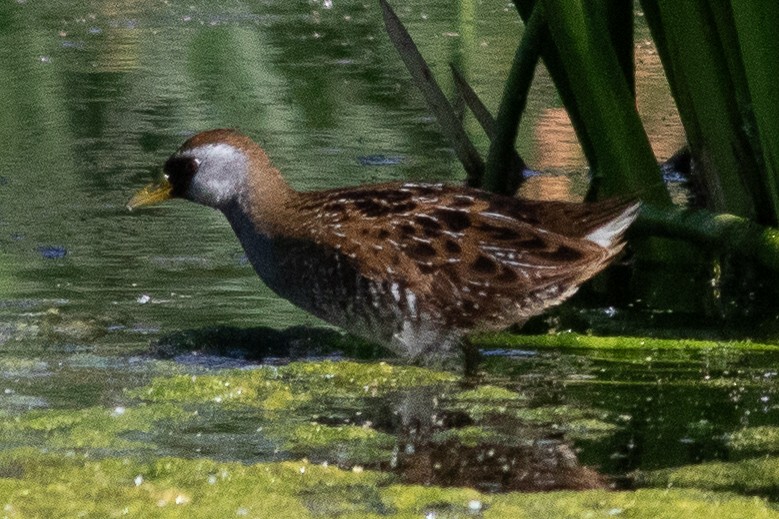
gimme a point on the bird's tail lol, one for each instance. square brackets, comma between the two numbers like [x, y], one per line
[611, 232]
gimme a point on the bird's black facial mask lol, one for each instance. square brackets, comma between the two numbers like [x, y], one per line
[179, 172]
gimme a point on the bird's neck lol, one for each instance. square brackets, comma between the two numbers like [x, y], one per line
[257, 244]
[262, 214]
[267, 200]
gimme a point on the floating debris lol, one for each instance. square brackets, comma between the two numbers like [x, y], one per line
[379, 160]
[52, 251]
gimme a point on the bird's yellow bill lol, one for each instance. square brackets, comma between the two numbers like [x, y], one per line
[151, 194]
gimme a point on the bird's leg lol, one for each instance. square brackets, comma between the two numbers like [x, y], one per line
[471, 358]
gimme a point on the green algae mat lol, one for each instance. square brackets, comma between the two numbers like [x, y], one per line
[547, 431]
[36, 484]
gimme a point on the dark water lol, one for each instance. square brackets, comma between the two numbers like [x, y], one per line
[95, 95]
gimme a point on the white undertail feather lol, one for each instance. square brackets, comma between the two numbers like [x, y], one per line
[610, 234]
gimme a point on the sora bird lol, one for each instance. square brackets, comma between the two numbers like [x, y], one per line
[412, 266]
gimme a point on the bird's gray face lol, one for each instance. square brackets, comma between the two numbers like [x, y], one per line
[211, 174]
[211, 168]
